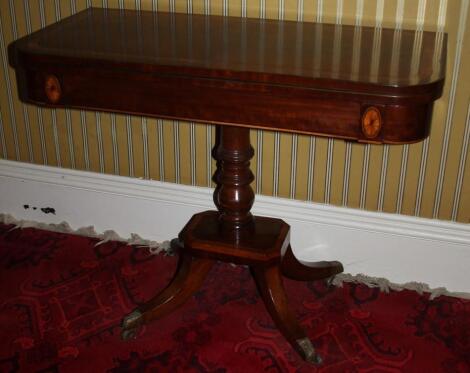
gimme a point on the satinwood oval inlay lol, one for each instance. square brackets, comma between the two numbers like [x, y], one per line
[52, 89]
[371, 122]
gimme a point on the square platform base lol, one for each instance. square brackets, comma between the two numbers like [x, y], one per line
[263, 241]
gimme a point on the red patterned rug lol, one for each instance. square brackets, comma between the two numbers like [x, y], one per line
[62, 300]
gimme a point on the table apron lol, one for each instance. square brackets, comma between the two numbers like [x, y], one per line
[256, 105]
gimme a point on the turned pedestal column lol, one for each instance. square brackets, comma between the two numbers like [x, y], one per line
[232, 234]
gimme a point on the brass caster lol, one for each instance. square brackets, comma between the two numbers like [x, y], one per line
[308, 351]
[329, 281]
[130, 325]
[128, 334]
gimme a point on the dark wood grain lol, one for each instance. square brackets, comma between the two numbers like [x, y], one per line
[357, 83]
[292, 268]
[189, 276]
[269, 282]
[287, 76]
[233, 195]
[262, 241]
[287, 52]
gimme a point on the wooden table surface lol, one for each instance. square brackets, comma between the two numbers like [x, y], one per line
[281, 75]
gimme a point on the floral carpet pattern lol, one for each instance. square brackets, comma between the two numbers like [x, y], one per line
[62, 299]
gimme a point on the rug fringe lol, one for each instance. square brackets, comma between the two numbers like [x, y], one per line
[385, 285]
[157, 247]
[106, 236]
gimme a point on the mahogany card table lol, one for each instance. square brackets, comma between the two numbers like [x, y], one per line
[371, 85]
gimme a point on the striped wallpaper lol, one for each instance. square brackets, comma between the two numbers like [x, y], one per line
[429, 179]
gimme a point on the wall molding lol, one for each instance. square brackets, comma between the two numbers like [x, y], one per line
[399, 248]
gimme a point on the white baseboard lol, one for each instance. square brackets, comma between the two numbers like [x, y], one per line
[397, 247]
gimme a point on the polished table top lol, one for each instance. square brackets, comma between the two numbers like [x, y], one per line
[282, 75]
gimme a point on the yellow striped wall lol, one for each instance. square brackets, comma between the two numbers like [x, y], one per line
[429, 179]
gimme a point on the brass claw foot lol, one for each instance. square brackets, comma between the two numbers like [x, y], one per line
[308, 351]
[189, 276]
[130, 325]
[271, 289]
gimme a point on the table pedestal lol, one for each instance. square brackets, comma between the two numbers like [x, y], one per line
[232, 234]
